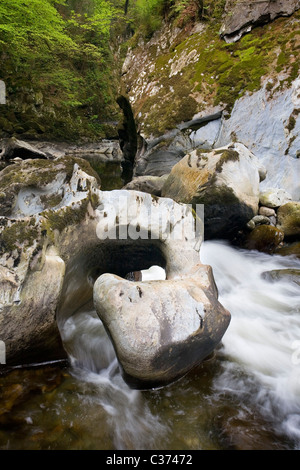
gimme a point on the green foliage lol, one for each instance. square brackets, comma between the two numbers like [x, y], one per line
[59, 50]
[148, 15]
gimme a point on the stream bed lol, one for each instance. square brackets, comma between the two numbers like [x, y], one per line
[246, 397]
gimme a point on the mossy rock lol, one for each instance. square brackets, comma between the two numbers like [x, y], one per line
[288, 219]
[18, 235]
[264, 238]
[292, 249]
[289, 275]
[37, 173]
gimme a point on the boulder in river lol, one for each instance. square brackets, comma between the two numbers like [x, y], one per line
[241, 17]
[161, 329]
[60, 234]
[265, 238]
[225, 180]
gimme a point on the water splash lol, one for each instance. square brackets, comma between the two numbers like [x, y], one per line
[128, 417]
[262, 340]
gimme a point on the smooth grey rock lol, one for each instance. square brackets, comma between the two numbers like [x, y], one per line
[148, 184]
[241, 17]
[160, 329]
[158, 162]
[165, 151]
[206, 136]
[261, 123]
[289, 275]
[51, 256]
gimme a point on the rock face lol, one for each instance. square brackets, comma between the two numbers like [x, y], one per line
[268, 124]
[225, 180]
[59, 233]
[242, 16]
[180, 75]
[35, 206]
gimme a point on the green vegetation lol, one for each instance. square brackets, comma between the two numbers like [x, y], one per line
[200, 70]
[58, 67]
[61, 59]
[18, 235]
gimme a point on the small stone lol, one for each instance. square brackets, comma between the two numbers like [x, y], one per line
[264, 238]
[251, 224]
[261, 220]
[267, 211]
[274, 197]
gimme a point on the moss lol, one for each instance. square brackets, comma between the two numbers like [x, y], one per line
[212, 195]
[18, 235]
[62, 218]
[227, 156]
[291, 123]
[220, 74]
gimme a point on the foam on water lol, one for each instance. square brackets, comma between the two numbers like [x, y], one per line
[263, 337]
[260, 365]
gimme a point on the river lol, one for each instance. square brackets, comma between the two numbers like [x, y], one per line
[247, 396]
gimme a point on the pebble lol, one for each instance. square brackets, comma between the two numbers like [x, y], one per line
[267, 211]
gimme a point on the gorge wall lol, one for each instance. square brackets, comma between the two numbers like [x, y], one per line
[239, 63]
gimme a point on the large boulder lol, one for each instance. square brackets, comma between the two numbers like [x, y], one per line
[40, 200]
[225, 180]
[161, 329]
[60, 233]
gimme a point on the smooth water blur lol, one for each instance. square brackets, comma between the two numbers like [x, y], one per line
[263, 338]
[246, 397]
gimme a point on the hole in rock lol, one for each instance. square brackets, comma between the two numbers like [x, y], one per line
[81, 330]
[133, 260]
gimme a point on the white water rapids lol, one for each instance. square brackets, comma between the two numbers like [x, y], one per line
[264, 335]
[259, 362]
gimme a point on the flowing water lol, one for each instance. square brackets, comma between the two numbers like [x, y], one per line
[246, 397]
